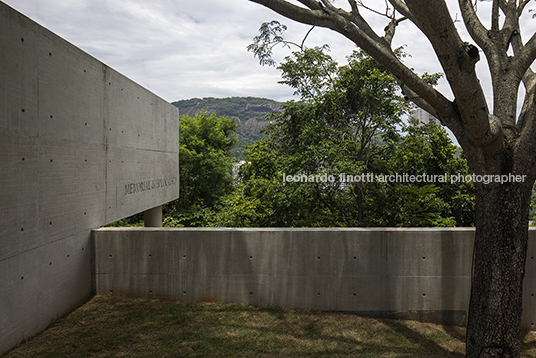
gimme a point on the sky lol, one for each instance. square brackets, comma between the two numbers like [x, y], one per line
[181, 49]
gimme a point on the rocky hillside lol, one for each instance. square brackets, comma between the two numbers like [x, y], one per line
[249, 114]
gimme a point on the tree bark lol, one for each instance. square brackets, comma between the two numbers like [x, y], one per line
[493, 328]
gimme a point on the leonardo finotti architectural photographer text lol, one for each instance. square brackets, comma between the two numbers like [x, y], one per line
[403, 178]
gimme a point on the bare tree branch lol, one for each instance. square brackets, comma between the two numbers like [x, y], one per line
[495, 15]
[401, 7]
[475, 28]
[511, 23]
[390, 29]
[412, 96]
[313, 16]
[527, 55]
[305, 37]
[521, 6]
[328, 5]
[312, 4]
[358, 20]
[526, 124]
[458, 61]
[386, 14]
[529, 81]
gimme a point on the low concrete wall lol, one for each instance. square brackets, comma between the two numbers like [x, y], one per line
[81, 146]
[403, 273]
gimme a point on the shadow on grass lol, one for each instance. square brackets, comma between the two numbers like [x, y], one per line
[109, 327]
[424, 341]
[313, 342]
[454, 332]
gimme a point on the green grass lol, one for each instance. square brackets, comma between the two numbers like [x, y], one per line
[111, 326]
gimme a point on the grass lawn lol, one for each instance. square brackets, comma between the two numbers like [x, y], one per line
[111, 326]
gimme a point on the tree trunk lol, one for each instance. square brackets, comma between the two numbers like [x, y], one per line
[493, 328]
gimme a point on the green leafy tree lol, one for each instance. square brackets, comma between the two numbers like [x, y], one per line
[426, 149]
[204, 167]
[347, 122]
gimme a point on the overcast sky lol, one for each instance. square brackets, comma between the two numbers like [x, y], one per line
[181, 49]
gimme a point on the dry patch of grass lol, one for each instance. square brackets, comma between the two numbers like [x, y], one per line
[111, 326]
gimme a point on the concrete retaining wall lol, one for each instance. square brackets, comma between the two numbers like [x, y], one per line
[404, 273]
[81, 146]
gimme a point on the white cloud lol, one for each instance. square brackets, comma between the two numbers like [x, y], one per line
[182, 48]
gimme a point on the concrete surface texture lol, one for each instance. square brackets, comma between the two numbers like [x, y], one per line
[422, 273]
[81, 146]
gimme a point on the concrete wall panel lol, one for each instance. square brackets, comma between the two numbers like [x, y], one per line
[42, 284]
[19, 181]
[71, 188]
[401, 273]
[18, 75]
[74, 134]
[71, 92]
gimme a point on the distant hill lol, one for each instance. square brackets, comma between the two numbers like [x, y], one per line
[249, 114]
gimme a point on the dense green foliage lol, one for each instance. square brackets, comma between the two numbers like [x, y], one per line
[348, 123]
[249, 114]
[205, 167]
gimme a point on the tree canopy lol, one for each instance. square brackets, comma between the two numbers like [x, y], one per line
[346, 125]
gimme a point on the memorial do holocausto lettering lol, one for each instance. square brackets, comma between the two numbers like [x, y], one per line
[144, 185]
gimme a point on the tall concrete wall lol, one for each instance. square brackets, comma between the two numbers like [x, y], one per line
[81, 146]
[386, 272]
